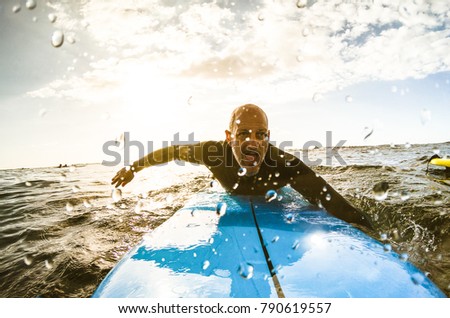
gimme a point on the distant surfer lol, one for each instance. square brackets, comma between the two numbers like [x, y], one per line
[246, 163]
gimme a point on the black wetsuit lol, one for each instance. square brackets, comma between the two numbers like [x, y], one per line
[278, 169]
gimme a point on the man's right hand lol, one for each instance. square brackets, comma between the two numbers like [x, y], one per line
[122, 177]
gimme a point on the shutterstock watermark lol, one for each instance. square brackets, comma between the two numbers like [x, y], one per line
[194, 151]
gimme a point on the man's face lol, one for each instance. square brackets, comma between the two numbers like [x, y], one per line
[249, 139]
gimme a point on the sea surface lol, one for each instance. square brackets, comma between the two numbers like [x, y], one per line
[63, 229]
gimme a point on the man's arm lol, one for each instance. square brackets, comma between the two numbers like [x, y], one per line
[191, 153]
[316, 190]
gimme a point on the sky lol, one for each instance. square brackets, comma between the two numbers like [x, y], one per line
[157, 68]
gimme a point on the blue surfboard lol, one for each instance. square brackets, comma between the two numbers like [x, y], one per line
[221, 246]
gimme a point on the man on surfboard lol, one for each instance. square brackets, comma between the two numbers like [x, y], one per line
[246, 163]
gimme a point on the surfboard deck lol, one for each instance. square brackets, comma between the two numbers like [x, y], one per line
[284, 248]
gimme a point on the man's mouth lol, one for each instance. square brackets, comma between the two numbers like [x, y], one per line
[251, 158]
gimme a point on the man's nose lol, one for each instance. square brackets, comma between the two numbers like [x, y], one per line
[251, 144]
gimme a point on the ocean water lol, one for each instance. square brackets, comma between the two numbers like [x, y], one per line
[63, 229]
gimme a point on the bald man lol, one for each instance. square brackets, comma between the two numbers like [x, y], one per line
[246, 163]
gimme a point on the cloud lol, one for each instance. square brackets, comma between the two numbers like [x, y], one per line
[275, 45]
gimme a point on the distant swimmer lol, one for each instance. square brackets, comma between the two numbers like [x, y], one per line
[246, 163]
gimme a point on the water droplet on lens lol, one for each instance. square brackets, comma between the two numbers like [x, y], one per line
[211, 240]
[28, 260]
[28, 184]
[87, 203]
[404, 257]
[71, 39]
[324, 189]
[417, 278]
[246, 270]
[404, 195]
[205, 265]
[69, 207]
[116, 195]
[328, 197]
[238, 121]
[261, 17]
[271, 195]
[275, 239]
[296, 245]
[52, 17]
[48, 264]
[380, 190]
[317, 97]
[367, 132]
[289, 218]
[306, 32]
[138, 207]
[387, 247]
[302, 4]
[57, 38]
[30, 4]
[242, 172]
[75, 189]
[383, 236]
[213, 184]
[16, 8]
[348, 99]
[279, 197]
[235, 186]
[425, 116]
[42, 112]
[221, 208]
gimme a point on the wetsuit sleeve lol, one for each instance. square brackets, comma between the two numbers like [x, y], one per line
[316, 190]
[155, 158]
[208, 153]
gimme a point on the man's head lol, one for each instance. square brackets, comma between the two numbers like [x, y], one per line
[248, 136]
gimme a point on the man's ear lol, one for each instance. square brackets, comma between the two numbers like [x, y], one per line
[228, 136]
